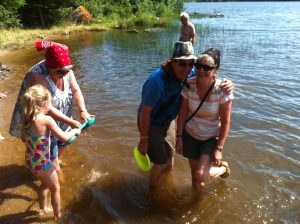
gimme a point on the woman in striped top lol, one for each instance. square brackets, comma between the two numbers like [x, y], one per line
[201, 138]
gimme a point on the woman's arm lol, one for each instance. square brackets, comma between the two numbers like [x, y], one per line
[63, 136]
[144, 126]
[225, 113]
[84, 115]
[183, 111]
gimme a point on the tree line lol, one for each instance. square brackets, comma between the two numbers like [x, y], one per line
[46, 13]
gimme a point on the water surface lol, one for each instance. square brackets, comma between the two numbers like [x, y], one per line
[260, 54]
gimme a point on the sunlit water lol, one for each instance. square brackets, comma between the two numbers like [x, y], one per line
[260, 45]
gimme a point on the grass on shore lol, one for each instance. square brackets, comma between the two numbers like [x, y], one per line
[13, 39]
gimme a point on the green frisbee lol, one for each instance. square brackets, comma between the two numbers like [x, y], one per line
[88, 123]
[142, 161]
[85, 125]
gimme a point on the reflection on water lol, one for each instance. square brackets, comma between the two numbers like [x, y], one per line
[102, 184]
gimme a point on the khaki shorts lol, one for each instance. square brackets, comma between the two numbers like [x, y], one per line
[161, 142]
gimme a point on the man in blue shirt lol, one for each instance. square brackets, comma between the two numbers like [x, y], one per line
[161, 97]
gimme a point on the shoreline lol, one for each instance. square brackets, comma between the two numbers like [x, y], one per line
[16, 39]
[38, 34]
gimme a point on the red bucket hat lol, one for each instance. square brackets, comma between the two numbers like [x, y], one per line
[57, 55]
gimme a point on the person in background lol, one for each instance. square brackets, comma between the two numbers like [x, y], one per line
[161, 98]
[187, 29]
[56, 74]
[36, 131]
[201, 134]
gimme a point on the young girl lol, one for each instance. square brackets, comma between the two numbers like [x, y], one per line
[36, 135]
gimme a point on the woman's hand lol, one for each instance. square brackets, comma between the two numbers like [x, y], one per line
[143, 146]
[179, 145]
[217, 157]
[85, 116]
[227, 86]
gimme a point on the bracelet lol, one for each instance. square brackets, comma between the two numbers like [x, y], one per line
[219, 148]
[143, 137]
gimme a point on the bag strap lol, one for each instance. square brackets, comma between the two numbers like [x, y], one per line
[202, 101]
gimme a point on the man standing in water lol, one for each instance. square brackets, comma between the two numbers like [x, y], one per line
[187, 29]
[161, 98]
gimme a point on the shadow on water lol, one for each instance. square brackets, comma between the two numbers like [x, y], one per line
[127, 199]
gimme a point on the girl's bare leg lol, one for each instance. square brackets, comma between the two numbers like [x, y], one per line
[52, 182]
[43, 191]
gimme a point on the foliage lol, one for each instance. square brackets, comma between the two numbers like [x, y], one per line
[46, 13]
[9, 16]
[130, 12]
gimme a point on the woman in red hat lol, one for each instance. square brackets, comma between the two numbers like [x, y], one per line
[55, 73]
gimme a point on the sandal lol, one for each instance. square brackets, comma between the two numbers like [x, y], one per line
[226, 165]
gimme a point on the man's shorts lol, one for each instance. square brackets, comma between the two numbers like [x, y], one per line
[54, 149]
[161, 142]
[194, 148]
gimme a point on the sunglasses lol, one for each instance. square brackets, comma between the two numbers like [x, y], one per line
[205, 67]
[183, 64]
[60, 72]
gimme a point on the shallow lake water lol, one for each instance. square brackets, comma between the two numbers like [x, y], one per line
[101, 183]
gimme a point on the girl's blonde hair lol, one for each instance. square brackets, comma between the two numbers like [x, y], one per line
[34, 99]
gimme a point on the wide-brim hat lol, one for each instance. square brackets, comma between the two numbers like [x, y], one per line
[183, 51]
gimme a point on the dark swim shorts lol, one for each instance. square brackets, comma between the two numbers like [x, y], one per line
[194, 148]
[161, 143]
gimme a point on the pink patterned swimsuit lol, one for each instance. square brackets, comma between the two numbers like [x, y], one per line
[37, 156]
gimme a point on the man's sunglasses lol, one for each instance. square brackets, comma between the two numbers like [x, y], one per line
[205, 67]
[183, 64]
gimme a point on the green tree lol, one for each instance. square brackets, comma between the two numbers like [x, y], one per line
[45, 13]
[9, 16]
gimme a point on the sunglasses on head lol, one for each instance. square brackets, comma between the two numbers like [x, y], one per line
[205, 67]
[184, 64]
